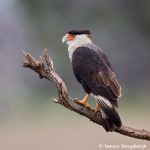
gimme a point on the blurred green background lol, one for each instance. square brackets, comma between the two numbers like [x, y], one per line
[28, 117]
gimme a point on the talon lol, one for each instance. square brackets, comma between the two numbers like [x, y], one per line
[83, 102]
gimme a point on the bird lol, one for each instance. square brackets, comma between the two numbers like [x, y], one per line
[94, 72]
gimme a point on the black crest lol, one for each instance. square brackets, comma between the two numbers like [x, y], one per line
[79, 32]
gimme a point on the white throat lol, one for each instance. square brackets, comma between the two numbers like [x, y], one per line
[80, 40]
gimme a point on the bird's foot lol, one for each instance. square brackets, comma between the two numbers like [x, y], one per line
[82, 102]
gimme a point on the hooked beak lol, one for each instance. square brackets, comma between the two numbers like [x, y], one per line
[68, 38]
[64, 39]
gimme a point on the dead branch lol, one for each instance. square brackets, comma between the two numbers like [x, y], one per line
[46, 70]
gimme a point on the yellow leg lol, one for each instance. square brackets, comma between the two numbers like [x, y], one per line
[84, 101]
[97, 107]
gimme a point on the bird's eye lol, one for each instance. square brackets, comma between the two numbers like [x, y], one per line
[70, 37]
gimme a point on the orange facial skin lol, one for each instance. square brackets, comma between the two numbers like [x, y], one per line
[70, 37]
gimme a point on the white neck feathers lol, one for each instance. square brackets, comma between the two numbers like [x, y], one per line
[79, 41]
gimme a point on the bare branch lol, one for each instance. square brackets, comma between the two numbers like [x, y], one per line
[49, 73]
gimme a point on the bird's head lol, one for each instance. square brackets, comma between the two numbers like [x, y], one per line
[77, 37]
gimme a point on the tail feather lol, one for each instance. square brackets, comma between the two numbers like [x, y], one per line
[109, 114]
[106, 122]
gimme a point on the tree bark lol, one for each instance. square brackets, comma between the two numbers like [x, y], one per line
[44, 67]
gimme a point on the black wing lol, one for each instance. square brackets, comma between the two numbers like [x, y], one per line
[93, 70]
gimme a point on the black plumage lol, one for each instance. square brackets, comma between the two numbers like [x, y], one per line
[79, 32]
[93, 70]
